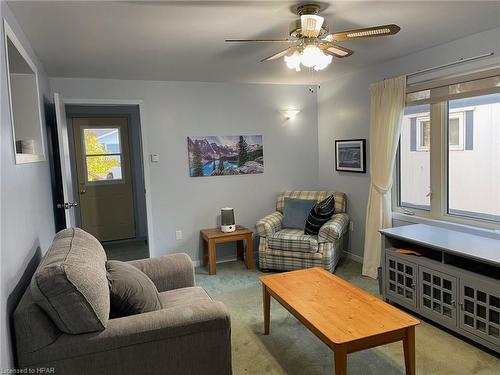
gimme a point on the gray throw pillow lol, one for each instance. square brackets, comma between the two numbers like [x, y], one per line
[131, 290]
[295, 212]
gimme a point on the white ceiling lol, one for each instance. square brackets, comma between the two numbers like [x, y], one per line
[184, 40]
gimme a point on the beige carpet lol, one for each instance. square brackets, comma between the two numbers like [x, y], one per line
[292, 349]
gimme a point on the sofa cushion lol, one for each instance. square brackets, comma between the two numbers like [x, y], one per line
[274, 259]
[131, 290]
[319, 215]
[293, 240]
[70, 284]
[183, 297]
[295, 212]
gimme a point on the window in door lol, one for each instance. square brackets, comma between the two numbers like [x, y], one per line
[102, 155]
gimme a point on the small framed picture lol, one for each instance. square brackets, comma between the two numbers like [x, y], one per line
[350, 155]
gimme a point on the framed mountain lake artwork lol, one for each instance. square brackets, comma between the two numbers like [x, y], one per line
[350, 155]
[225, 155]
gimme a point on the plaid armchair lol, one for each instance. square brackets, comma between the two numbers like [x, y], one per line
[291, 249]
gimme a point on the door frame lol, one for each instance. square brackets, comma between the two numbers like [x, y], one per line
[147, 175]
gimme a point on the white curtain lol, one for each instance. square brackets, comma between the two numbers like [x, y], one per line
[387, 108]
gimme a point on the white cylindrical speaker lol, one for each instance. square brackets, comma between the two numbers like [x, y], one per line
[227, 220]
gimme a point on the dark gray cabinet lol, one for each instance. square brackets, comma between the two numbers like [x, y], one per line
[455, 281]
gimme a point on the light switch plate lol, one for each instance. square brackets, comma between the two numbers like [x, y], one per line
[155, 158]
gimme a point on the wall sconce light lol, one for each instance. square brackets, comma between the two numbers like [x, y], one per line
[290, 114]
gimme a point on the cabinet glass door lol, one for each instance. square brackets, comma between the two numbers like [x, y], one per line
[480, 309]
[401, 279]
[438, 295]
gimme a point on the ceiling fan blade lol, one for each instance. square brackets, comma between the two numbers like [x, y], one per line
[368, 32]
[279, 54]
[260, 40]
[335, 50]
[310, 25]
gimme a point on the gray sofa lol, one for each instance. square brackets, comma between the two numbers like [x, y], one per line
[190, 335]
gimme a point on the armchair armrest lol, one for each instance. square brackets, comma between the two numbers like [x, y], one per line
[169, 271]
[141, 329]
[269, 224]
[334, 228]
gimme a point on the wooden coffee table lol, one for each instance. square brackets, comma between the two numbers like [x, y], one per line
[343, 316]
[211, 237]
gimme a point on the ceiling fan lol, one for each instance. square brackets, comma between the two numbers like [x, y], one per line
[311, 44]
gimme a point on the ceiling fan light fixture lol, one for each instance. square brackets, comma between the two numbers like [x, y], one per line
[323, 63]
[311, 57]
[293, 61]
[311, 44]
[311, 25]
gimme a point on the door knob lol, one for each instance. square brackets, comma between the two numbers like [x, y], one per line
[83, 191]
[67, 205]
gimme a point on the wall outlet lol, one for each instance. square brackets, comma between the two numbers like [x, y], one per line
[178, 234]
[351, 226]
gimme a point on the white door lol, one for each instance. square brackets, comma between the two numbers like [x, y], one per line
[67, 180]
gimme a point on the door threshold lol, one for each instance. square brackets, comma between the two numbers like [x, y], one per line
[125, 240]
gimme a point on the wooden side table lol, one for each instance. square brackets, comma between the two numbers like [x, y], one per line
[213, 236]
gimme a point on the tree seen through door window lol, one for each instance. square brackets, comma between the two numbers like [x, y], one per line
[101, 163]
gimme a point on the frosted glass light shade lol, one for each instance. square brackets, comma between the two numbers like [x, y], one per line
[311, 57]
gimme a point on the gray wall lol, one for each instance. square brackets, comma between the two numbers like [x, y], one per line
[27, 224]
[175, 110]
[344, 112]
[134, 136]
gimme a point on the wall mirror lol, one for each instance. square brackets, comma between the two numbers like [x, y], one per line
[25, 106]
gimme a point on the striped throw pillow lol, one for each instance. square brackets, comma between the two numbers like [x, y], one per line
[319, 215]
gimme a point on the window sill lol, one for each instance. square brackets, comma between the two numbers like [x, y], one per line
[491, 233]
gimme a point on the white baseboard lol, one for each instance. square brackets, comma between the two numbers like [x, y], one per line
[198, 263]
[354, 257]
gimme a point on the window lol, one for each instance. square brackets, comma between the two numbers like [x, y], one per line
[102, 153]
[414, 158]
[474, 174]
[448, 164]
